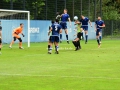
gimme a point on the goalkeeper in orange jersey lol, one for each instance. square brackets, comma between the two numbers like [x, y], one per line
[15, 34]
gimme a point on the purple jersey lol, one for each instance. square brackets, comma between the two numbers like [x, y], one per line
[55, 29]
[99, 23]
[84, 21]
[65, 17]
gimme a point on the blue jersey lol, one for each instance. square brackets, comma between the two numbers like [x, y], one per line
[99, 23]
[55, 29]
[65, 17]
[84, 21]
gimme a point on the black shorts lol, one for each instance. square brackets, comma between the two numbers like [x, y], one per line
[79, 35]
[54, 39]
[0, 40]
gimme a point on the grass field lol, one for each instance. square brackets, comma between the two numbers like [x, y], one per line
[91, 68]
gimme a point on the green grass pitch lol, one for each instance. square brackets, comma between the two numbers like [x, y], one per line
[91, 68]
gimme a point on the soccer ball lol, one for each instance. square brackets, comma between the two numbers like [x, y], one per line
[75, 18]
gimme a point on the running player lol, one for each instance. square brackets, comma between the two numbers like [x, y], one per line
[64, 18]
[16, 33]
[99, 24]
[55, 29]
[76, 41]
[84, 20]
[0, 37]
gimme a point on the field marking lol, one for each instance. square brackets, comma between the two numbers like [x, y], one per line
[28, 75]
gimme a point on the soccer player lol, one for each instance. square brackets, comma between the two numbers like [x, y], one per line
[0, 37]
[49, 43]
[64, 18]
[16, 33]
[56, 30]
[84, 20]
[76, 41]
[99, 24]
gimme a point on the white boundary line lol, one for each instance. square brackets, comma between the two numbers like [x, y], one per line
[28, 75]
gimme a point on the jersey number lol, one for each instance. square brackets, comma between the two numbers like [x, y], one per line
[56, 28]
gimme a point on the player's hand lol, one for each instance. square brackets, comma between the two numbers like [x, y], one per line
[23, 35]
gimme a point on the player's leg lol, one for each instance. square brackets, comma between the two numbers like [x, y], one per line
[97, 37]
[51, 43]
[100, 36]
[86, 34]
[0, 45]
[14, 39]
[76, 43]
[57, 44]
[20, 43]
[66, 32]
[61, 33]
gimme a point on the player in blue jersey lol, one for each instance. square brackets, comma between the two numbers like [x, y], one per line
[0, 37]
[84, 20]
[54, 38]
[64, 18]
[99, 24]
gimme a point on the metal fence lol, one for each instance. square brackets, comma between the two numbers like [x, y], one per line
[48, 8]
[112, 29]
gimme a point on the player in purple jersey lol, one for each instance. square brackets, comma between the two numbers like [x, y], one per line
[54, 38]
[64, 18]
[84, 20]
[99, 24]
[0, 37]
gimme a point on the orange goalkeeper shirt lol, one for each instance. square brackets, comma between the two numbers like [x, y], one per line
[18, 30]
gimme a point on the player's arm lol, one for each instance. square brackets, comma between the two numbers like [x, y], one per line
[90, 23]
[95, 26]
[69, 21]
[103, 25]
[0, 33]
[50, 30]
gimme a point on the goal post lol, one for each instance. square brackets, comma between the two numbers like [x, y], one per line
[16, 15]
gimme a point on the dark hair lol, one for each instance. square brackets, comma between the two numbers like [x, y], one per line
[57, 13]
[21, 24]
[52, 21]
[56, 20]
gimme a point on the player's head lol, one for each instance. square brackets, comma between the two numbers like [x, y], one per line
[52, 21]
[21, 24]
[65, 10]
[99, 18]
[56, 20]
[57, 13]
[82, 17]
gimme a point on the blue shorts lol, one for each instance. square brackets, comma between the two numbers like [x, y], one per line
[54, 39]
[85, 28]
[97, 32]
[63, 25]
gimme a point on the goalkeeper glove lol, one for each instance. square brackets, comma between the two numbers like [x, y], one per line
[23, 35]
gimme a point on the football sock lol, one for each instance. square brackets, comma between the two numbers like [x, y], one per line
[0, 49]
[98, 41]
[100, 37]
[74, 43]
[57, 48]
[67, 37]
[48, 47]
[60, 37]
[78, 44]
[86, 36]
